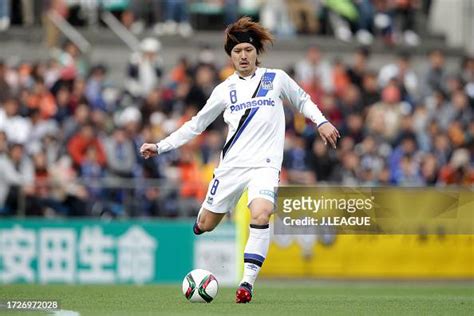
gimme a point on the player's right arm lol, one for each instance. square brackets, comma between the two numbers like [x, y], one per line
[214, 106]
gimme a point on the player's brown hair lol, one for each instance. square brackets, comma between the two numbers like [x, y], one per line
[246, 31]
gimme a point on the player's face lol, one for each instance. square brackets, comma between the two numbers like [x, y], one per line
[244, 58]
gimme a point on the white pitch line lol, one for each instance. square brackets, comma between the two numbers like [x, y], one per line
[63, 312]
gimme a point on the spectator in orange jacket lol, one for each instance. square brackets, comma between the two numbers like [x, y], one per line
[81, 142]
[42, 100]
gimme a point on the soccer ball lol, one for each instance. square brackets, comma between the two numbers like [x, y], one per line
[200, 286]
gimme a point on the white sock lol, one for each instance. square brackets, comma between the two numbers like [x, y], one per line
[255, 252]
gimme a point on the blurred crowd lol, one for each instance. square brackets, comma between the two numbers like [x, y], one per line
[400, 127]
[394, 21]
[69, 139]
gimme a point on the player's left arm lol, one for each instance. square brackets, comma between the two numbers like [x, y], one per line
[301, 100]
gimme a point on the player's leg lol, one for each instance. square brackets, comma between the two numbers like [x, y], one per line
[256, 248]
[223, 193]
[261, 203]
[206, 221]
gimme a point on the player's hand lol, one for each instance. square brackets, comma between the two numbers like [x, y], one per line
[329, 134]
[148, 150]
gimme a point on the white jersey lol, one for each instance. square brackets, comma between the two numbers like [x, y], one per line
[253, 110]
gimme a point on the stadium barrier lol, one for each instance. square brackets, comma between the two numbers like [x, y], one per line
[124, 252]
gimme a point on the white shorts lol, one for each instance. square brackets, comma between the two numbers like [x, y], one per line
[228, 184]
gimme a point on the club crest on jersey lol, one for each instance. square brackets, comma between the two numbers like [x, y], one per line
[267, 85]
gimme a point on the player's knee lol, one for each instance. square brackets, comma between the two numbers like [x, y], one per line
[261, 210]
[206, 225]
[262, 216]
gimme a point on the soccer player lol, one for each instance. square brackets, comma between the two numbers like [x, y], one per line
[251, 100]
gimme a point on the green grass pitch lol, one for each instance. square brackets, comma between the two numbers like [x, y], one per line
[271, 298]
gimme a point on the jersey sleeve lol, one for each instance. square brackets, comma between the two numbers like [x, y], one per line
[301, 100]
[214, 106]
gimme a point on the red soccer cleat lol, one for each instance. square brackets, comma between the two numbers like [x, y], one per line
[244, 293]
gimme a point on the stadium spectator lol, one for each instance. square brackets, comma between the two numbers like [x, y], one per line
[406, 148]
[4, 15]
[202, 86]
[144, 70]
[314, 69]
[404, 10]
[4, 86]
[17, 179]
[435, 76]
[384, 117]
[145, 14]
[41, 175]
[63, 102]
[467, 75]
[3, 143]
[40, 127]
[193, 187]
[72, 124]
[354, 127]
[330, 107]
[120, 153]
[403, 74]
[86, 148]
[73, 62]
[303, 15]
[340, 77]
[321, 161]
[297, 161]
[42, 100]
[429, 169]
[358, 69]
[459, 170]
[274, 16]
[52, 148]
[462, 111]
[16, 127]
[231, 10]
[370, 93]
[408, 173]
[343, 16]
[349, 171]
[365, 24]
[94, 88]
[55, 7]
[176, 19]
[372, 157]
[350, 101]
[442, 148]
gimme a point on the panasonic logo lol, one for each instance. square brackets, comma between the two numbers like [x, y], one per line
[252, 104]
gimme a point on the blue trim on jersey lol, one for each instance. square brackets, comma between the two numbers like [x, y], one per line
[239, 132]
[254, 256]
[322, 123]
